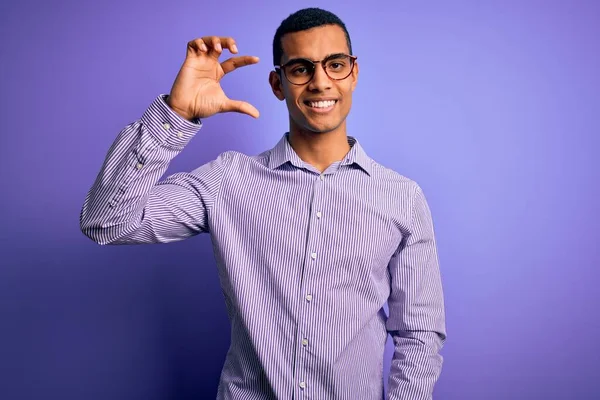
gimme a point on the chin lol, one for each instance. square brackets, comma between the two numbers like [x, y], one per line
[321, 128]
[319, 124]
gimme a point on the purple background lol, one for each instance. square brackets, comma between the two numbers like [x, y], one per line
[491, 106]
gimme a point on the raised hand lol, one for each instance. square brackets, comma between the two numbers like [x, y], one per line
[197, 92]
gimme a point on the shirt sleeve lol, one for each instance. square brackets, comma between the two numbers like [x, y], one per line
[128, 204]
[416, 320]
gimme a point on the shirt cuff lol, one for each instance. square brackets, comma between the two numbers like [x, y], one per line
[168, 127]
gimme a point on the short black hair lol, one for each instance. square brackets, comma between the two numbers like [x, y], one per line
[302, 20]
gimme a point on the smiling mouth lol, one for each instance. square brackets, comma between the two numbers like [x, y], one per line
[321, 105]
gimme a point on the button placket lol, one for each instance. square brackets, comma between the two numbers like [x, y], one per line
[312, 244]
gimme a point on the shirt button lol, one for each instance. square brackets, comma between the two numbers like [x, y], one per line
[180, 134]
[322, 177]
[302, 385]
[318, 214]
[139, 165]
[313, 256]
[309, 297]
[304, 342]
[166, 126]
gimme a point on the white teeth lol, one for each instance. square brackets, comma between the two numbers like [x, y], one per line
[321, 104]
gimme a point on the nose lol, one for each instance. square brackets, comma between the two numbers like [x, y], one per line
[320, 80]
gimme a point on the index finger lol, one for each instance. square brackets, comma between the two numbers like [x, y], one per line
[224, 42]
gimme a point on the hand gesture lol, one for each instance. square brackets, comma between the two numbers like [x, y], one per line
[196, 92]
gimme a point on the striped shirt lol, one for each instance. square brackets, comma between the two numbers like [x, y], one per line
[306, 260]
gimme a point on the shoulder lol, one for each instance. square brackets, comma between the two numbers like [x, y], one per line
[237, 157]
[393, 180]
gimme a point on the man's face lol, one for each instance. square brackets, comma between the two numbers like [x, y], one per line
[315, 45]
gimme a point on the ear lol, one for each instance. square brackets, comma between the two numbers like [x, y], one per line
[276, 85]
[355, 75]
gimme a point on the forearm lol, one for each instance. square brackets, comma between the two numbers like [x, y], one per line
[140, 155]
[416, 365]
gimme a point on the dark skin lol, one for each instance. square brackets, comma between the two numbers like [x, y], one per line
[319, 139]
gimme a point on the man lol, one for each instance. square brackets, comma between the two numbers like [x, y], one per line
[311, 238]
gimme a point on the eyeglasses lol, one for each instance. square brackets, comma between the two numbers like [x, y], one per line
[300, 71]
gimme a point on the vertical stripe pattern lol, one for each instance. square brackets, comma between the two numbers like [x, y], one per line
[306, 260]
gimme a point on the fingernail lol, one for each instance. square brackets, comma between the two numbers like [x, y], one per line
[218, 47]
[234, 48]
[203, 47]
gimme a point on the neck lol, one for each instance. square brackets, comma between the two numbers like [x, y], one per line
[320, 149]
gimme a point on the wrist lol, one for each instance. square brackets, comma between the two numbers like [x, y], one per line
[178, 111]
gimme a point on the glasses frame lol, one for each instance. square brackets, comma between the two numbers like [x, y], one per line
[314, 63]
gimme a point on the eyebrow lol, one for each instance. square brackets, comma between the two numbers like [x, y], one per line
[332, 55]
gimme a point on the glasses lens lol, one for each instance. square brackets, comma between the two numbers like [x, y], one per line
[338, 67]
[299, 72]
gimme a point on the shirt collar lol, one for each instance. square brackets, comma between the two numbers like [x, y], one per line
[283, 153]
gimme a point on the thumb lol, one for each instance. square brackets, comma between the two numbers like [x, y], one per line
[241, 107]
